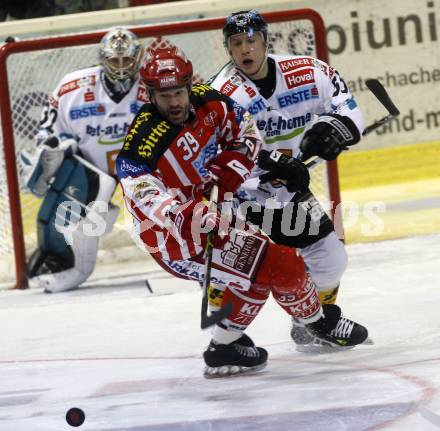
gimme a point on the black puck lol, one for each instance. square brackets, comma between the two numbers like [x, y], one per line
[75, 417]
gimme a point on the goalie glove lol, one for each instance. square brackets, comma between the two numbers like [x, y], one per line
[41, 167]
[292, 173]
[329, 136]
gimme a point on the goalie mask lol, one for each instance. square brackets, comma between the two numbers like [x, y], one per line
[166, 68]
[120, 54]
[248, 22]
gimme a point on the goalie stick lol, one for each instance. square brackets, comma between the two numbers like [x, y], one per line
[208, 320]
[383, 97]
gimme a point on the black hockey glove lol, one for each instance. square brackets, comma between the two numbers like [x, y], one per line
[292, 172]
[329, 136]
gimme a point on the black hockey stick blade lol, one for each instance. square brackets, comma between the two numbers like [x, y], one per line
[381, 94]
[216, 317]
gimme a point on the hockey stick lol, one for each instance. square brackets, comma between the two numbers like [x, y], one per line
[383, 97]
[208, 320]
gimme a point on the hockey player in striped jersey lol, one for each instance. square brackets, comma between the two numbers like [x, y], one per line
[178, 146]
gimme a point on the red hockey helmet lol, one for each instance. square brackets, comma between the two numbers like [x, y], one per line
[166, 68]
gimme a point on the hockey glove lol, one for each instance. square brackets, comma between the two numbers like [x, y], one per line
[329, 136]
[293, 173]
[193, 220]
[39, 168]
[229, 170]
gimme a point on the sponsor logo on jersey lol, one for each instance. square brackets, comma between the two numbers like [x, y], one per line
[298, 96]
[145, 149]
[240, 253]
[294, 64]
[142, 94]
[300, 77]
[89, 96]
[299, 63]
[201, 89]
[257, 106]
[331, 72]
[192, 271]
[53, 102]
[239, 112]
[208, 152]
[129, 168]
[77, 83]
[135, 107]
[250, 91]
[97, 109]
[275, 126]
[228, 88]
[209, 119]
[110, 134]
[231, 84]
[143, 117]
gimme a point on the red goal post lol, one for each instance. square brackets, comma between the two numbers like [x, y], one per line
[31, 69]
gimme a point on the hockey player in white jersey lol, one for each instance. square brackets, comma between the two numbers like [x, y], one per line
[82, 129]
[285, 94]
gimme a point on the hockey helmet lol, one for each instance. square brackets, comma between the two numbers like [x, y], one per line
[244, 22]
[120, 54]
[166, 68]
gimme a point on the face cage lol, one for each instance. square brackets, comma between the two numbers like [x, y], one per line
[121, 67]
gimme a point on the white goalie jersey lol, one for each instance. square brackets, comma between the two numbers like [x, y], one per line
[81, 107]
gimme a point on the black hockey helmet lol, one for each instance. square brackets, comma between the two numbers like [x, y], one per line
[249, 22]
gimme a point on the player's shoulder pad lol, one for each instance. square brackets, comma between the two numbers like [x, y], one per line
[204, 93]
[81, 78]
[149, 137]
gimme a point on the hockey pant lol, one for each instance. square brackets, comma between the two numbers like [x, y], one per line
[74, 213]
[280, 271]
[306, 226]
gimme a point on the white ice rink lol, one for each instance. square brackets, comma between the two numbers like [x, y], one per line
[132, 361]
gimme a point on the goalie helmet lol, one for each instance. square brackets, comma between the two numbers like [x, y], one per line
[244, 22]
[166, 68]
[120, 54]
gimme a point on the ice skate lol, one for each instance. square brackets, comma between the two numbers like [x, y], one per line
[330, 334]
[238, 357]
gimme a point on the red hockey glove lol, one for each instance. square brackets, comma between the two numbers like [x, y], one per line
[230, 169]
[193, 220]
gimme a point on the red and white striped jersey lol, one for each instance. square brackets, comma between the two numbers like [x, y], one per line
[162, 164]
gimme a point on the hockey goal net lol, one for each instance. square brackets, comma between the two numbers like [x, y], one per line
[31, 69]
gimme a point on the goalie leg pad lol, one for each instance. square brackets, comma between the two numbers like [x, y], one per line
[70, 224]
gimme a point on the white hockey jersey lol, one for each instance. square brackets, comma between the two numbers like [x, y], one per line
[81, 108]
[305, 87]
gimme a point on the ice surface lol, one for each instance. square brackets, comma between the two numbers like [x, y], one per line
[132, 360]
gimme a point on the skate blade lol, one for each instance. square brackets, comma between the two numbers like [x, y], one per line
[55, 290]
[327, 347]
[321, 348]
[231, 371]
